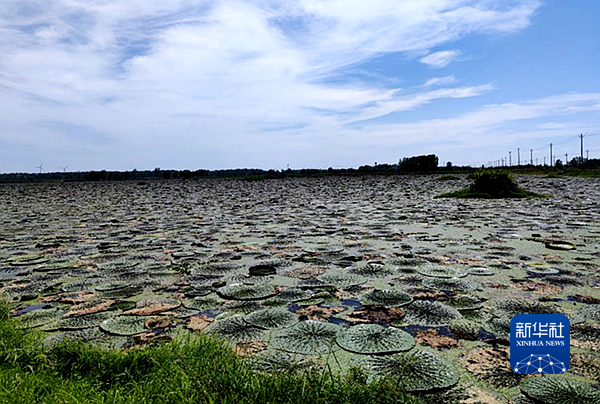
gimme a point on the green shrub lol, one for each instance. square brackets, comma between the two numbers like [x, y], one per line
[491, 185]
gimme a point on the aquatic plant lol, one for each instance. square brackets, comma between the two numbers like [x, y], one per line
[430, 314]
[373, 339]
[442, 271]
[560, 389]
[341, 279]
[235, 329]
[417, 371]
[385, 298]
[307, 337]
[271, 318]
[240, 291]
[491, 185]
[124, 325]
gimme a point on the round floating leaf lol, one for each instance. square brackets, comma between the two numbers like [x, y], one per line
[240, 291]
[560, 245]
[323, 249]
[272, 318]
[277, 361]
[430, 314]
[23, 258]
[385, 298]
[373, 339]
[511, 307]
[124, 325]
[235, 329]
[418, 371]
[442, 271]
[591, 312]
[81, 322]
[123, 293]
[452, 284]
[542, 270]
[242, 306]
[371, 270]
[464, 328]
[202, 302]
[499, 326]
[91, 335]
[112, 286]
[341, 279]
[78, 286]
[307, 337]
[217, 268]
[466, 303]
[38, 318]
[560, 389]
[294, 294]
[480, 271]
[57, 265]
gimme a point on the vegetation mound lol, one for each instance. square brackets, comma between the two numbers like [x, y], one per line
[492, 185]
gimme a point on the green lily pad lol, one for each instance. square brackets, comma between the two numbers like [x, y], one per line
[385, 298]
[341, 279]
[81, 322]
[373, 339]
[40, 318]
[272, 318]
[307, 337]
[235, 329]
[452, 284]
[442, 271]
[430, 314]
[240, 291]
[124, 325]
[417, 371]
[560, 389]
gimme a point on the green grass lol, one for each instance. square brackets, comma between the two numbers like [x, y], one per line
[492, 185]
[200, 370]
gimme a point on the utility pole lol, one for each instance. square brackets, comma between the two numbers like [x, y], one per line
[531, 160]
[536, 161]
[587, 154]
[509, 159]
[550, 154]
[581, 137]
[544, 160]
[518, 156]
[566, 158]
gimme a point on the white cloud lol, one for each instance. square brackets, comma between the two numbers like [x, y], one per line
[440, 81]
[179, 83]
[440, 59]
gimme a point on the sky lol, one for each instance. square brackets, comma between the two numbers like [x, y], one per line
[124, 84]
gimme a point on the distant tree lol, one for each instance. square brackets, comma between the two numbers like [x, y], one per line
[558, 164]
[419, 163]
[449, 164]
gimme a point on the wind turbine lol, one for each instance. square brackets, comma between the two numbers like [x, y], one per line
[64, 168]
[41, 167]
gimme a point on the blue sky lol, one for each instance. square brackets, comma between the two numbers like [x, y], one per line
[214, 84]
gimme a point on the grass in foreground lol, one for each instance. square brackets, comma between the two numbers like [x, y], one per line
[492, 185]
[202, 370]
